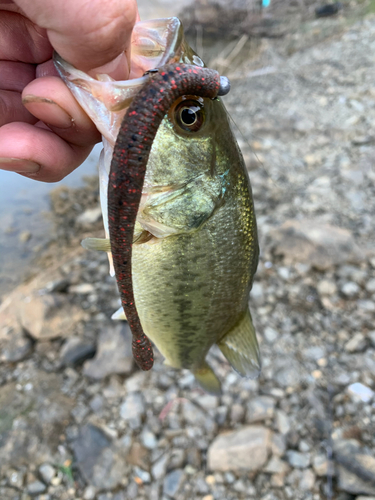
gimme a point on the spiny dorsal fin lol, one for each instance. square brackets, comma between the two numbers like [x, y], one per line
[240, 347]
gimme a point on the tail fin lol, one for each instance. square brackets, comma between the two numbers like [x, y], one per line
[240, 347]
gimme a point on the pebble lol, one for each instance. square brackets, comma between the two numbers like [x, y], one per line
[360, 392]
[326, 287]
[270, 335]
[36, 487]
[298, 460]
[47, 472]
[350, 289]
[356, 343]
[90, 216]
[24, 237]
[282, 422]
[260, 408]
[16, 345]
[76, 350]
[173, 482]
[133, 408]
[243, 450]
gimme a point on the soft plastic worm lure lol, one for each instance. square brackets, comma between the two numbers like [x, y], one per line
[128, 168]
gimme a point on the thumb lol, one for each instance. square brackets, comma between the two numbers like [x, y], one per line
[87, 33]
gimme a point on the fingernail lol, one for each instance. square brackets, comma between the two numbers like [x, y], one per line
[47, 110]
[18, 165]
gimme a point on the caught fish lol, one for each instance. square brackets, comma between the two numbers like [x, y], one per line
[194, 245]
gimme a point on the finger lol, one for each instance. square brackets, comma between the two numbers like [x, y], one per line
[49, 100]
[12, 109]
[21, 40]
[15, 75]
[41, 154]
[101, 30]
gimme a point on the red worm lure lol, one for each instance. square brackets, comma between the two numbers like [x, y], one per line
[128, 168]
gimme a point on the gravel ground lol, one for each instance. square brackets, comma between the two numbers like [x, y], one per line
[79, 421]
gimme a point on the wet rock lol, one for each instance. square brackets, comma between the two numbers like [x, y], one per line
[47, 317]
[243, 450]
[114, 353]
[98, 460]
[173, 482]
[356, 343]
[14, 345]
[260, 408]
[76, 350]
[298, 460]
[320, 245]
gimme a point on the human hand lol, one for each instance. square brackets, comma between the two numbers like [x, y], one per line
[44, 133]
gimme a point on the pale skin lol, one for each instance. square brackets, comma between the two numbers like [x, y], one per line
[44, 133]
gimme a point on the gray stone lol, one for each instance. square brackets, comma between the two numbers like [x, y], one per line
[282, 422]
[321, 465]
[47, 472]
[320, 245]
[99, 461]
[173, 482]
[360, 392]
[133, 408]
[114, 354]
[326, 287]
[356, 471]
[159, 468]
[143, 475]
[270, 335]
[260, 408]
[35, 488]
[370, 285]
[307, 480]
[356, 343]
[278, 445]
[350, 289]
[15, 346]
[298, 460]
[276, 466]
[243, 450]
[372, 337]
[76, 350]
[148, 439]
[82, 288]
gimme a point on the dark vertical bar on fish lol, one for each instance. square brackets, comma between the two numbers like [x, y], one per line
[128, 168]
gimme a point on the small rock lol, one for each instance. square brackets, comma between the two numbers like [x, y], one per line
[350, 289]
[360, 392]
[143, 475]
[36, 487]
[82, 288]
[276, 466]
[321, 465]
[89, 493]
[16, 345]
[282, 422]
[278, 445]
[370, 285]
[307, 480]
[356, 344]
[172, 482]
[160, 466]
[148, 439]
[237, 413]
[76, 350]
[260, 408]
[114, 354]
[371, 336]
[133, 408]
[89, 216]
[243, 450]
[298, 460]
[270, 335]
[356, 471]
[47, 472]
[326, 287]
[25, 236]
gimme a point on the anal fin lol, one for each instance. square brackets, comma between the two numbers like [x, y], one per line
[240, 347]
[98, 244]
[207, 379]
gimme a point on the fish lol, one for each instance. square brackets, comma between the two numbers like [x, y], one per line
[194, 248]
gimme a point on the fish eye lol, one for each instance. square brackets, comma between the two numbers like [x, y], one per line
[189, 115]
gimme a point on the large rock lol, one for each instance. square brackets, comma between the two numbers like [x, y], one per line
[246, 449]
[101, 462]
[114, 353]
[320, 245]
[49, 316]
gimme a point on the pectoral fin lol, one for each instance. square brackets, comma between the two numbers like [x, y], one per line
[240, 347]
[98, 244]
[119, 314]
[207, 379]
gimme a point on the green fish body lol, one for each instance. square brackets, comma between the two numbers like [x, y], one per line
[195, 248]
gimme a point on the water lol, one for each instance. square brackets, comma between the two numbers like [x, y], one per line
[24, 222]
